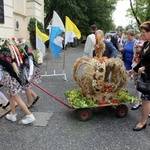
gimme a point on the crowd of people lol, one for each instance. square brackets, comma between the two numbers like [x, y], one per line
[135, 55]
[110, 50]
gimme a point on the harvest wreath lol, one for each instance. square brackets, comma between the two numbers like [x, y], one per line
[101, 80]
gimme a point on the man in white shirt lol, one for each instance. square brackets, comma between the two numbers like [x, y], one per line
[90, 42]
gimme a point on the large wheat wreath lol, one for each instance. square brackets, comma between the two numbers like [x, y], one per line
[99, 78]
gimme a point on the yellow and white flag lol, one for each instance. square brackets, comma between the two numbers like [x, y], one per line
[41, 38]
[71, 31]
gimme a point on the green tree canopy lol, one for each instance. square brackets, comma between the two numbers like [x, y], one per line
[32, 30]
[83, 13]
[140, 11]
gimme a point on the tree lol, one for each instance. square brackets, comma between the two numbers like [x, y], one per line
[140, 10]
[32, 30]
[83, 13]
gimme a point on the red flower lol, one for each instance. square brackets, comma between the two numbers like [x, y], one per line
[94, 74]
[101, 61]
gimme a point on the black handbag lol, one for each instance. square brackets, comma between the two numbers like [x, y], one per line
[143, 86]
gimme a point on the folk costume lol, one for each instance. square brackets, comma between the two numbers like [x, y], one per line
[29, 69]
[135, 75]
[9, 73]
[10, 60]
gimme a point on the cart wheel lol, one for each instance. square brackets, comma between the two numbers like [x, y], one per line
[122, 111]
[84, 114]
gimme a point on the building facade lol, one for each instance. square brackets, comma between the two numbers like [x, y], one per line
[15, 16]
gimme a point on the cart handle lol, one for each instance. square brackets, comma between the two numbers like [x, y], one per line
[50, 94]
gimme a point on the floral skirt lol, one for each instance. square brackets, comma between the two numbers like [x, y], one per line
[35, 78]
[13, 85]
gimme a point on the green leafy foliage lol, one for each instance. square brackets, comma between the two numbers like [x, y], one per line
[78, 100]
[124, 97]
[36, 55]
[139, 11]
[32, 30]
[83, 13]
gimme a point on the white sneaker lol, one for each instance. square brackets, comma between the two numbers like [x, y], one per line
[11, 117]
[28, 119]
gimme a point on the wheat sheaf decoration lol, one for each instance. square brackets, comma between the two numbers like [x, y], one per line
[99, 77]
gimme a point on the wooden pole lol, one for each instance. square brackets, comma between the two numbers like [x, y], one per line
[46, 67]
[64, 59]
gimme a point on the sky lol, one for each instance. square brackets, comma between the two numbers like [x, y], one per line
[120, 12]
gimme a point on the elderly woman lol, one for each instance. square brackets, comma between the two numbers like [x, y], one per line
[143, 68]
[128, 49]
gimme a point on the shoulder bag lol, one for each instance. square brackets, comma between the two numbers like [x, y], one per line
[143, 86]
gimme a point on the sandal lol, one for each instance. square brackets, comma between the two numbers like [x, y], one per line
[29, 106]
[35, 100]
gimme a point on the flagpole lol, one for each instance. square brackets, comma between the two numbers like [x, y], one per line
[53, 65]
[46, 67]
[64, 60]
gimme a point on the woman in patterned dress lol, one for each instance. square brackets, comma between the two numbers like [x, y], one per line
[9, 78]
[31, 72]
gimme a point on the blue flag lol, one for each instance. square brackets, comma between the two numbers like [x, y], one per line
[56, 39]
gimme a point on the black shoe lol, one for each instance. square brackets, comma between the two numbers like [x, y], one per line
[35, 100]
[136, 106]
[139, 129]
[30, 106]
[6, 105]
[1, 105]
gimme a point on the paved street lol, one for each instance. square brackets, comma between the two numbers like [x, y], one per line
[63, 131]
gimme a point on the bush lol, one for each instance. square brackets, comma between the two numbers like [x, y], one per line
[32, 30]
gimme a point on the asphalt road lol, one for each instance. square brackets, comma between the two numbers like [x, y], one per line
[64, 131]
